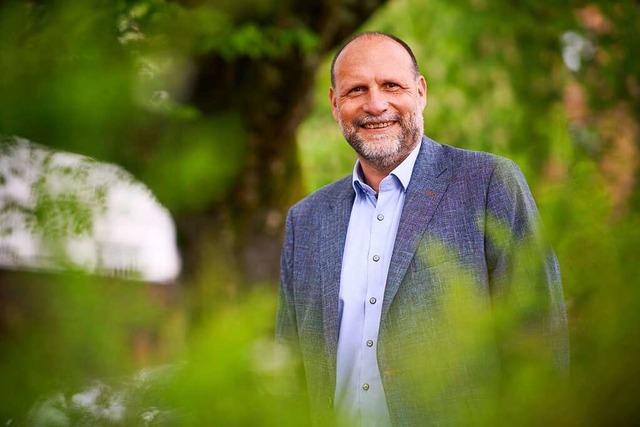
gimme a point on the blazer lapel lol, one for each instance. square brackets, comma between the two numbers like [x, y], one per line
[333, 234]
[430, 179]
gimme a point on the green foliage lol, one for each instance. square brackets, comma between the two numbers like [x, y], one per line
[53, 82]
[215, 28]
[204, 158]
[232, 377]
[63, 332]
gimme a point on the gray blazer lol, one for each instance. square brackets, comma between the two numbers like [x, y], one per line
[467, 243]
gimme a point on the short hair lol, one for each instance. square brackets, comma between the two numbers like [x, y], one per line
[416, 69]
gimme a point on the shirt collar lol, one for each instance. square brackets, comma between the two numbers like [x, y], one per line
[402, 172]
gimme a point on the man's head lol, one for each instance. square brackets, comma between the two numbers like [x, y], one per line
[377, 97]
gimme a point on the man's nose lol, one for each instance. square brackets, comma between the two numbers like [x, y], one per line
[376, 103]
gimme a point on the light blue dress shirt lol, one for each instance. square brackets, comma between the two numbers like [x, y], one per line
[373, 225]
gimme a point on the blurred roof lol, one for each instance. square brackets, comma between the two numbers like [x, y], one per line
[63, 211]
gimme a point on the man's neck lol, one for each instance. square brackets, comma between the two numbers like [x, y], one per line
[373, 176]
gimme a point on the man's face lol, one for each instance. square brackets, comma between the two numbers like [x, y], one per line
[378, 101]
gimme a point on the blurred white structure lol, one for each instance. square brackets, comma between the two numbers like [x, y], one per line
[576, 49]
[65, 211]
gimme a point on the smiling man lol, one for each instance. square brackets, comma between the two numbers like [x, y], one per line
[369, 262]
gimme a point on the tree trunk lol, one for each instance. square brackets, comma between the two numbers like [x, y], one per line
[238, 239]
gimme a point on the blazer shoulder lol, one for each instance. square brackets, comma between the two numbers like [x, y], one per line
[462, 157]
[471, 163]
[324, 196]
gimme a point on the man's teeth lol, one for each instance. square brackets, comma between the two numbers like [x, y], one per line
[377, 125]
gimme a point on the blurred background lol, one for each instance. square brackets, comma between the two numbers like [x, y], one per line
[149, 151]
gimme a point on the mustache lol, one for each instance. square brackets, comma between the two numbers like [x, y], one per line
[369, 119]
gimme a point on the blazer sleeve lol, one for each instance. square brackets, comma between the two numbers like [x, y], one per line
[286, 327]
[293, 403]
[524, 274]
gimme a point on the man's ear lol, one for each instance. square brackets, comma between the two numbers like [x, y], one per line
[422, 91]
[334, 104]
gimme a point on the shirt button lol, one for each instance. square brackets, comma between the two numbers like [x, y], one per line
[380, 217]
[369, 343]
[376, 258]
[372, 300]
[365, 386]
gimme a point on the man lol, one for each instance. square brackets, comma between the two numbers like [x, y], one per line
[382, 270]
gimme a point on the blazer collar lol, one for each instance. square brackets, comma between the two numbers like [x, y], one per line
[429, 182]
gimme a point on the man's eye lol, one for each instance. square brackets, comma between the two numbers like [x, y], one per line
[357, 89]
[392, 85]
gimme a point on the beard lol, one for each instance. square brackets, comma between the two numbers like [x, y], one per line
[388, 150]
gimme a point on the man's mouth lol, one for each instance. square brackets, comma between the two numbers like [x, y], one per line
[380, 125]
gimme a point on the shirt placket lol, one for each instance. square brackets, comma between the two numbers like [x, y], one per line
[371, 390]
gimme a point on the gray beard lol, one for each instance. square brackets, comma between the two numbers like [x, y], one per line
[388, 151]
